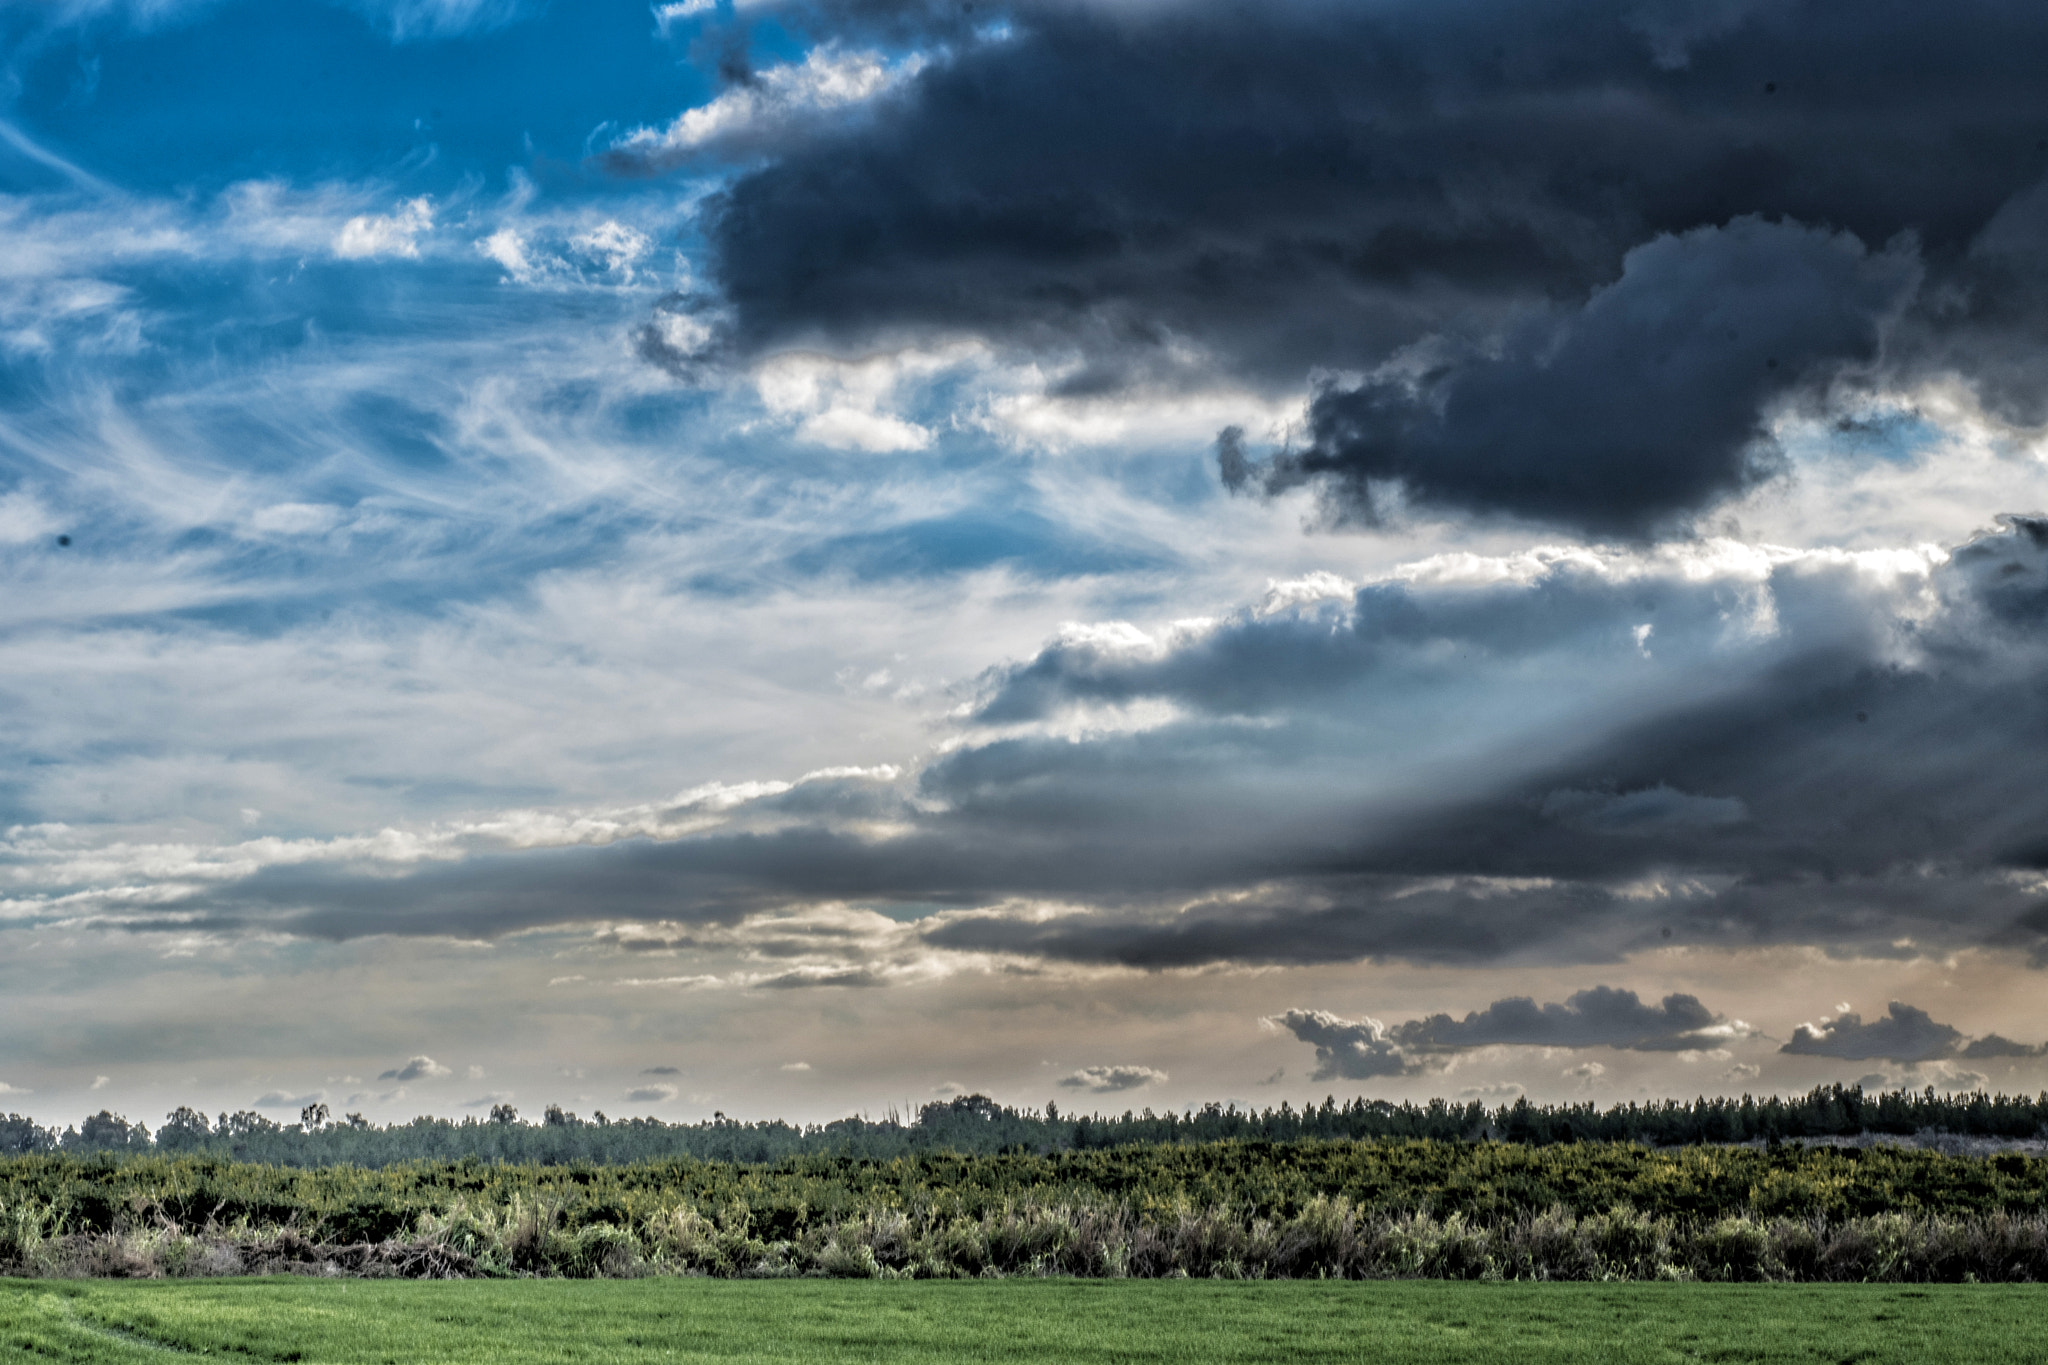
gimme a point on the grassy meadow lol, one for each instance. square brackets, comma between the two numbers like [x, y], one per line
[1066, 1321]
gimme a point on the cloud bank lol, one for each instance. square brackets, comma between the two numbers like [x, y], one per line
[1361, 1049]
[1561, 263]
[1903, 1034]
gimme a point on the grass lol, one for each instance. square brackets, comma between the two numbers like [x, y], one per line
[1061, 1322]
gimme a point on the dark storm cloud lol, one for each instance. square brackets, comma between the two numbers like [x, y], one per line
[1645, 405]
[1600, 757]
[1452, 191]
[1359, 1049]
[1905, 1034]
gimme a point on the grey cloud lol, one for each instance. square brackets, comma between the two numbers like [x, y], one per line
[1601, 1017]
[1646, 810]
[806, 977]
[277, 1099]
[1809, 755]
[1904, 1034]
[651, 1094]
[1992, 1045]
[1105, 1080]
[1348, 1049]
[414, 1069]
[1643, 407]
[1566, 240]
[662, 1071]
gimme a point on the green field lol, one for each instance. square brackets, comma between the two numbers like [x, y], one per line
[1053, 1321]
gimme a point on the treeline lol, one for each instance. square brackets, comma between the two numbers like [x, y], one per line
[1229, 1209]
[977, 1124]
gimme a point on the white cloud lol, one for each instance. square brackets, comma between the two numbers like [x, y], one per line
[6, 1089]
[371, 235]
[100, 1083]
[675, 11]
[414, 1069]
[796, 1066]
[854, 404]
[618, 246]
[1499, 1092]
[277, 1099]
[1106, 1080]
[508, 249]
[422, 20]
[843, 428]
[779, 102]
[24, 518]
[294, 519]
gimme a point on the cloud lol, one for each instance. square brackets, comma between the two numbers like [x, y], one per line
[1904, 1034]
[369, 235]
[1105, 1080]
[1587, 1074]
[1565, 276]
[1361, 770]
[1647, 809]
[1600, 1017]
[277, 1099]
[1993, 1045]
[6, 1089]
[1647, 405]
[775, 105]
[1360, 1049]
[661, 1071]
[1498, 1092]
[1351, 1049]
[795, 1066]
[651, 1094]
[100, 1083]
[415, 1069]
[495, 1097]
[409, 21]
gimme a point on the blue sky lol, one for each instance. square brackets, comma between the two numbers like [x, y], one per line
[865, 551]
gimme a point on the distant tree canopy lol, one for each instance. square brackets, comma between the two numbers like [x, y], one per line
[976, 1124]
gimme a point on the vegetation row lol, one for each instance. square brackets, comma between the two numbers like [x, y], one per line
[1328, 1239]
[1386, 1208]
[977, 1124]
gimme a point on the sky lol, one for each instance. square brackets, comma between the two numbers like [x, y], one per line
[799, 557]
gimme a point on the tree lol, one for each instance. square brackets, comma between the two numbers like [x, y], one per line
[185, 1129]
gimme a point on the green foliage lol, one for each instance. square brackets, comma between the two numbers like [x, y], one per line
[976, 1124]
[1226, 1210]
